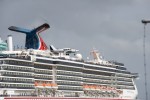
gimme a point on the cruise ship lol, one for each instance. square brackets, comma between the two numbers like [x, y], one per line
[39, 71]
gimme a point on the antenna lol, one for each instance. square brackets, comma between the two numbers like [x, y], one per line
[145, 22]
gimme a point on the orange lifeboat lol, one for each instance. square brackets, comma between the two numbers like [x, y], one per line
[39, 84]
[104, 87]
[43, 84]
[87, 87]
[100, 87]
[84, 87]
[90, 86]
[94, 87]
[54, 85]
[35, 83]
[49, 84]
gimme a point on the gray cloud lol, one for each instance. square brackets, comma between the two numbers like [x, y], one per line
[111, 26]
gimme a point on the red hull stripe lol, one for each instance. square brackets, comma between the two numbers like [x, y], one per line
[41, 98]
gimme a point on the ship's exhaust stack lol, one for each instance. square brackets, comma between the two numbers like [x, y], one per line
[10, 43]
[33, 38]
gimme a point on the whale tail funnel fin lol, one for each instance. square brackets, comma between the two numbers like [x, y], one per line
[18, 29]
[41, 28]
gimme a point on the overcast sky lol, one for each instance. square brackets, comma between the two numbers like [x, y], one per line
[112, 26]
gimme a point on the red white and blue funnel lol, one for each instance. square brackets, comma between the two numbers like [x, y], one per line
[33, 39]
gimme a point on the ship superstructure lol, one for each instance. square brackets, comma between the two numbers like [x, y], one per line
[40, 72]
